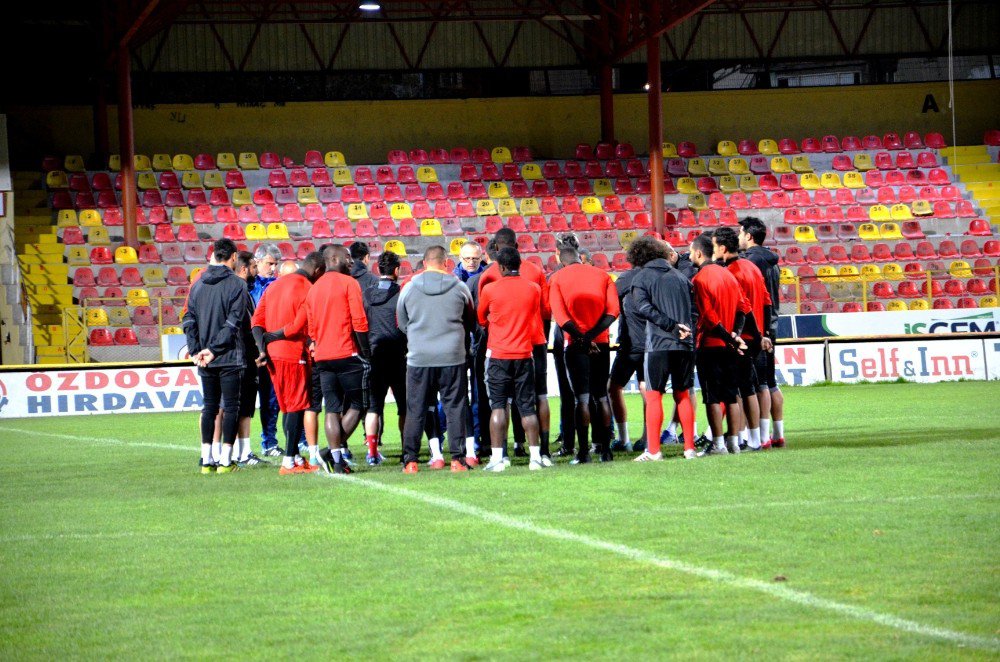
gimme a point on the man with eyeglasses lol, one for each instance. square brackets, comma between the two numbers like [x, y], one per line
[470, 261]
[268, 256]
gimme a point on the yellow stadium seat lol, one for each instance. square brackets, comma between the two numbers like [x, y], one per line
[248, 161]
[115, 163]
[342, 176]
[804, 234]
[67, 218]
[74, 163]
[718, 166]
[921, 208]
[498, 190]
[146, 181]
[126, 255]
[277, 231]
[669, 151]
[456, 245]
[306, 195]
[627, 237]
[357, 211]
[195, 273]
[890, 231]
[99, 236]
[153, 277]
[529, 207]
[827, 274]
[900, 212]
[727, 148]
[780, 165]
[697, 168]
[172, 331]
[687, 186]
[603, 187]
[137, 297]
[56, 179]
[831, 180]
[213, 179]
[501, 155]
[988, 302]
[696, 202]
[531, 171]
[892, 271]
[728, 184]
[97, 317]
[140, 162]
[77, 256]
[183, 162]
[395, 246]
[879, 213]
[854, 180]
[738, 166]
[427, 175]
[868, 232]
[810, 181]
[226, 161]
[748, 183]
[119, 316]
[162, 162]
[400, 210]
[334, 159]
[960, 269]
[507, 207]
[256, 231]
[787, 277]
[485, 208]
[849, 273]
[919, 304]
[181, 215]
[768, 147]
[90, 218]
[896, 306]
[192, 179]
[800, 164]
[430, 227]
[870, 272]
[591, 205]
[144, 234]
[863, 162]
[240, 197]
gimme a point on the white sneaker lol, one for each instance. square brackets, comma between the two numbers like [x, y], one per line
[535, 466]
[690, 455]
[547, 461]
[496, 467]
[506, 461]
[734, 448]
[650, 457]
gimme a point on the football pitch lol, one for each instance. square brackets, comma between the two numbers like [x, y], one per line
[874, 535]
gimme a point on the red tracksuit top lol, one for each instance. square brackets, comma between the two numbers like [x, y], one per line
[751, 280]
[281, 307]
[583, 293]
[531, 273]
[334, 311]
[718, 297]
[508, 310]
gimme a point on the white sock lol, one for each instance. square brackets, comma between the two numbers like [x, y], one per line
[745, 434]
[244, 449]
[217, 452]
[623, 434]
[672, 428]
[765, 429]
[299, 461]
[496, 455]
[314, 455]
[720, 443]
[536, 453]
[206, 454]
[470, 447]
[754, 438]
[338, 455]
[227, 455]
[779, 430]
[435, 445]
[288, 462]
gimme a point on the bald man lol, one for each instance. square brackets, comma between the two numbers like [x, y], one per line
[287, 267]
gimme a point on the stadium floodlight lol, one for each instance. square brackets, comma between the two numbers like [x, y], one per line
[370, 6]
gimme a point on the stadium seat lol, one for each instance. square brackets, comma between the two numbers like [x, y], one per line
[123, 255]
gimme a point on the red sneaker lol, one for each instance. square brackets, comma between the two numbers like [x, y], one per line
[307, 468]
[437, 464]
[411, 468]
[766, 446]
[285, 471]
[472, 461]
[778, 443]
[457, 465]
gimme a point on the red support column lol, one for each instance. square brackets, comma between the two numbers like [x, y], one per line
[126, 146]
[607, 105]
[655, 99]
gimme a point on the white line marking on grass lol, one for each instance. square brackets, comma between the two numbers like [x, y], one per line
[719, 576]
[194, 448]
[110, 535]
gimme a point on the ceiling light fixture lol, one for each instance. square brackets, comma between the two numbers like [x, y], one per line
[370, 6]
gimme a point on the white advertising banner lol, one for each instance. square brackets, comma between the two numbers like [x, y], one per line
[799, 365]
[913, 322]
[915, 361]
[69, 392]
[992, 352]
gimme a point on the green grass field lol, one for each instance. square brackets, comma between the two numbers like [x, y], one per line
[873, 535]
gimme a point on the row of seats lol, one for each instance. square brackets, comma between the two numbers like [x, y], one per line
[143, 336]
[828, 144]
[811, 308]
[982, 267]
[142, 315]
[131, 277]
[779, 165]
[822, 232]
[831, 181]
[185, 162]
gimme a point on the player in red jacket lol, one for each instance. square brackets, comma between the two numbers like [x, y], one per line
[279, 329]
[584, 304]
[722, 310]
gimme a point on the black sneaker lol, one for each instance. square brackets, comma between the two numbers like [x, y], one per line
[581, 459]
[326, 461]
[606, 456]
[564, 452]
[640, 445]
[342, 468]
[519, 451]
[703, 444]
[253, 461]
[274, 451]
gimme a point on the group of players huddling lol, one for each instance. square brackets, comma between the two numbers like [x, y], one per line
[466, 350]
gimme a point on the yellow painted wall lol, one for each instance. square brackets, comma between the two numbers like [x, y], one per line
[552, 126]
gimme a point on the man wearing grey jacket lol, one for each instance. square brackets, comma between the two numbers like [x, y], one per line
[435, 312]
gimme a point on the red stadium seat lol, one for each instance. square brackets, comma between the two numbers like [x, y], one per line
[101, 338]
[125, 337]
